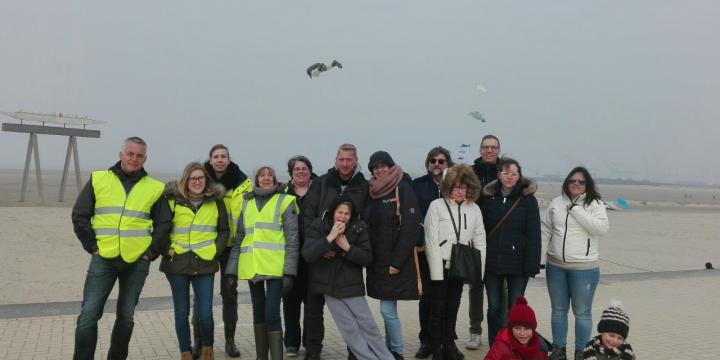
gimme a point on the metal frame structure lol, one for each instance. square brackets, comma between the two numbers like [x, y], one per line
[33, 150]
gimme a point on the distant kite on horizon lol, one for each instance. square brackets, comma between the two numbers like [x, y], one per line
[315, 69]
[477, 116]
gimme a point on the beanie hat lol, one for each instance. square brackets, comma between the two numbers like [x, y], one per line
[521, 314]
[614, 319]
[380, 157]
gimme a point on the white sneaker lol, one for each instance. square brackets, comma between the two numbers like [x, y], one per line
[474, 343]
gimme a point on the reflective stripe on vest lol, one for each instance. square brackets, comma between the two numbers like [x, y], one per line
[194, 231]
[262, 251]
[233, 204]
[122, 221]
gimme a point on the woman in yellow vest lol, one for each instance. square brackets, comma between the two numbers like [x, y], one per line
[265, 252]
[198, 236]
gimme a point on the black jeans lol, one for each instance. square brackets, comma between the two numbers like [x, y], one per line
[425, 303]
[446, 296]
[313, 323]
[228, 292]
[292, 305]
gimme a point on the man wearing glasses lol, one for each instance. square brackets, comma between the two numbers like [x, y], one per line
[427, 189]
[486, 169]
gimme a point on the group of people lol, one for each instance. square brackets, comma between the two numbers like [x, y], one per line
[306, 243]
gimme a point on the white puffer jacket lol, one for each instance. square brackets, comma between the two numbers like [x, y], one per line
[440, 235]
[573, 236]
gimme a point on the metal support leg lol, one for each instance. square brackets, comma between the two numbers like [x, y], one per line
[27, 167]
[32, 149]
[71, 150]
[38, 174]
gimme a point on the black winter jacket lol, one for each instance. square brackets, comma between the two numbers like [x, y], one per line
[84, 210]
[485, 172]
[342, 275]
[393, 245]
[514, 248]
[426, 191]
[329, 189]
[189, 263]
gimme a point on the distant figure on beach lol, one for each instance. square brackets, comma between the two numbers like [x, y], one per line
[512, 223]
[572, 225]
[197, 239]
[427, 189]
[223, 170]
[122, 219]
[486, 169]
[611, 343]
[265, 253]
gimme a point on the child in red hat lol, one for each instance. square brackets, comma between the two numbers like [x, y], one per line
[518, 340]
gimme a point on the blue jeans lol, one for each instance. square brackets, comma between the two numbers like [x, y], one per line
[266, 296]
[576, 287]
[494, 287]
[203, 289]
[99, 282]
[393, 329]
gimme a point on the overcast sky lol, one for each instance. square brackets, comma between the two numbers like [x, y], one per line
[627, 88]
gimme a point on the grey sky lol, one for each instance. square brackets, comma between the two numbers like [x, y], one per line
[626, 88]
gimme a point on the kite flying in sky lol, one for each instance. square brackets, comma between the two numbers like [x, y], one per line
[315, 69]
[477, 115]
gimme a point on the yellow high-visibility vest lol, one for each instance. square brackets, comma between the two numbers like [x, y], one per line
[233, 204]
[122, 222]
[194, 231]
[262, 251]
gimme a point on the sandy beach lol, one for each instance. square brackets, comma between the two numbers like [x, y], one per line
[44, 262]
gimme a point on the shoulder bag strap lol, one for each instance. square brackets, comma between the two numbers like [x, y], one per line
[502, 220]
[456, 229]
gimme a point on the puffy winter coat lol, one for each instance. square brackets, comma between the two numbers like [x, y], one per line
[440, 235]
[392, 245]
[572, 236]
[340, 276]
[327, 188]
[505, 349]
[515, 246]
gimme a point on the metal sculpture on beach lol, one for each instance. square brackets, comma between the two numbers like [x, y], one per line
[69, 128]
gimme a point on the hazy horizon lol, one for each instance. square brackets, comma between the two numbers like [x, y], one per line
[630, 90]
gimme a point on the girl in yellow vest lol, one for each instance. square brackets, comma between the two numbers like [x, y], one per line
[265, 252]
[198, 236]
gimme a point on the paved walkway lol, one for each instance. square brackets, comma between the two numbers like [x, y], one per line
[673, 315]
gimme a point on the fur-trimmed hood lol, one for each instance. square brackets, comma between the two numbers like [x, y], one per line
[526, 186]
[214, 191]
[464, 174]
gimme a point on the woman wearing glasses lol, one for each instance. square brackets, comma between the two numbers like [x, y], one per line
[572, 224]
[512, 223]
[198, 237]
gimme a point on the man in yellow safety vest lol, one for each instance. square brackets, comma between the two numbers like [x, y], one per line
[122, 219]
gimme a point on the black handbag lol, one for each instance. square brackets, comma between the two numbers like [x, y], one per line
[465, 260]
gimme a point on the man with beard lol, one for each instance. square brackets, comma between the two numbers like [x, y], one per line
[427, 189]
[343, 179]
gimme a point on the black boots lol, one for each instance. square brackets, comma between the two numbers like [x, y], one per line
[261, 342]
[424, 351]
[558, 353]
[230, 347]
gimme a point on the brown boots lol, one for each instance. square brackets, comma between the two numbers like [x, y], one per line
[207, 353]
[187, 355]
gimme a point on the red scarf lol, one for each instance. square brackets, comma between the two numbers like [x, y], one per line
[382, 186]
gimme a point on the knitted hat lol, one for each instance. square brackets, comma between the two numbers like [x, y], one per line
[380, 157]
[614, 319]
[521, 314]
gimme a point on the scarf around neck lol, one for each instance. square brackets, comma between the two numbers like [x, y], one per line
[382, 186]
[595, 347]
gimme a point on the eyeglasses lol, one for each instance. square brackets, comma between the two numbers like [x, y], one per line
[437, 161]
[576, 181]
[303, 169]
[509, 174]
[460, 189]
[489, 147]
[196, 179]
